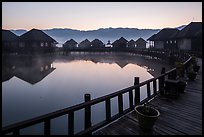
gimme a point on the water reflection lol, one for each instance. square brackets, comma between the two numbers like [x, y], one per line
[57, 82]
[121, 59]
[28, 68]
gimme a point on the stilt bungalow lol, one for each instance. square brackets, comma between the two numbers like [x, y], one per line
[165, 39]
[140, 43]
[97, 44]
[85, 44]
[131, 44]
[36, 41]
[70, 45]
[120, 44]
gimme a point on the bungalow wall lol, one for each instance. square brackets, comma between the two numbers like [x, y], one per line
[9, 46]
[196, 44]
[171, 45]
[184, 44]
[141, 45]
[159, 45]
[35, 47]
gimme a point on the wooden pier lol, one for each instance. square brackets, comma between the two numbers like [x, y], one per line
[181, 116]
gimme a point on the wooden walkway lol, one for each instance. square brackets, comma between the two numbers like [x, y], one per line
[181, 116]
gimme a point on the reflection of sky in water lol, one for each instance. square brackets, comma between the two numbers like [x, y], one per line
[66, 86]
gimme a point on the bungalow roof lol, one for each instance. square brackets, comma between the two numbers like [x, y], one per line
[140, 40]
[194, 29]
[165, 34]
[36, 35]
[8, 36]
[70, 42]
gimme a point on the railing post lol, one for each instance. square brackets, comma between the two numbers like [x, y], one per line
[161, 82]
[47, 127]
[87, 124]
[137, 91]
[120, 104]
[155, 87]
[71, 123]
[108, 109]
[16, 132]
[148, 91]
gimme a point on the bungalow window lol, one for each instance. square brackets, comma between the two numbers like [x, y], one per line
[46, 44]
[46, 67]
[41, 44]
[174, 41]
[170, 41]
[41, 69]
[166, 42]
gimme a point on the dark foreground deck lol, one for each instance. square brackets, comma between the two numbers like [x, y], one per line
[181, 116]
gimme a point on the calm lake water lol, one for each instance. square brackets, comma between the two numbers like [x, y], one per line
[33, 86]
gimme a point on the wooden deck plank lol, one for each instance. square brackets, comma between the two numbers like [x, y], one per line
[181, 116]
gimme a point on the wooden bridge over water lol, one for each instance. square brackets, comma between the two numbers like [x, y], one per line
[181, 116]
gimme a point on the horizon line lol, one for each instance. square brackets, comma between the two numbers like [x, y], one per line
[88, 29]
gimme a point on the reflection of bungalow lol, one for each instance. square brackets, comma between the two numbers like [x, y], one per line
[85, 44]
[70, 45]
[165, 39]
[97, 44]
[120, 44]
[36, 41]
[9, 41]
[6, 74]
[131, 44]
[122, 63]
[33, 70]
[141, 43]
[7, 69]
[190, 37]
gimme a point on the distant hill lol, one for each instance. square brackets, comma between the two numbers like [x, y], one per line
[19, 32]
[104, 34]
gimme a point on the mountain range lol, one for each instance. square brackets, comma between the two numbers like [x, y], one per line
[104, 34]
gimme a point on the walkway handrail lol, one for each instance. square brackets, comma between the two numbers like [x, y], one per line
[15, 128]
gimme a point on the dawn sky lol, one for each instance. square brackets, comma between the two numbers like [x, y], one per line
[95, 15]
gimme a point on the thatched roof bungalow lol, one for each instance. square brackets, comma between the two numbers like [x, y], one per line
[36, 41]
[141, 43]
[131, 44]
[165, 39]
[97, 44]
[120, 44]
[85, 44]
[190, 37]
[70, 45]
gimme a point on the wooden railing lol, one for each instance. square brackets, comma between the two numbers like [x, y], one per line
[88, 127]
